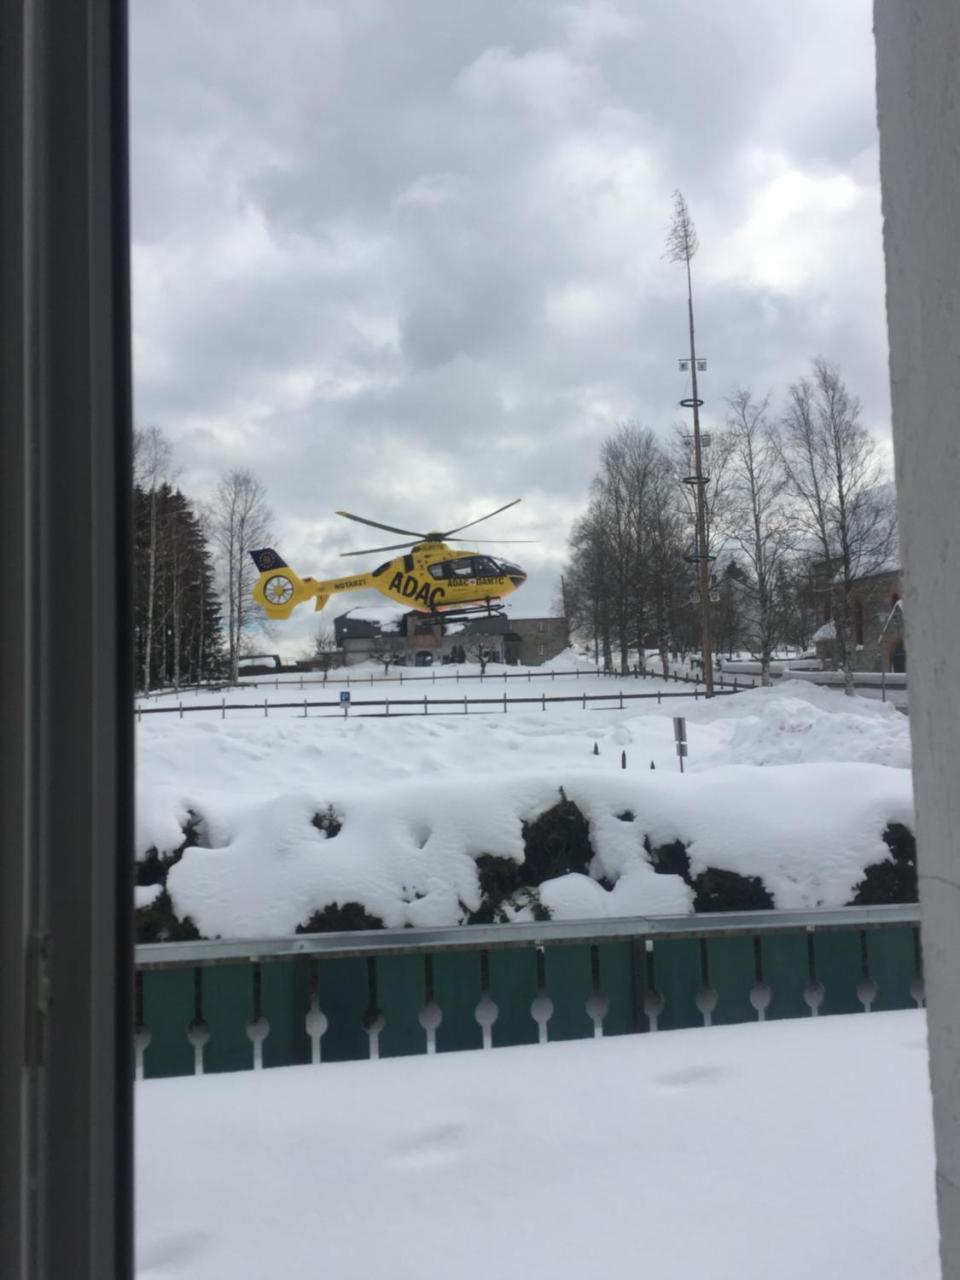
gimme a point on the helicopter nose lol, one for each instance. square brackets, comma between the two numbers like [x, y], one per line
[518, 577]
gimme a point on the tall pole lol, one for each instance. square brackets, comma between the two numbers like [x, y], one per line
[703, 562]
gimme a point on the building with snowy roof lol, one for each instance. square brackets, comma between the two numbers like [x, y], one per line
[405, 637]
[876, 616]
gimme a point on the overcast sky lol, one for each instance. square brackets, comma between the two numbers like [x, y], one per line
[405, 257]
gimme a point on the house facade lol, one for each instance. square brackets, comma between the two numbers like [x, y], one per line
[877, 638]
[417, 639]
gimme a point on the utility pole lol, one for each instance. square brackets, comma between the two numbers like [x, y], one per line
[682, 244]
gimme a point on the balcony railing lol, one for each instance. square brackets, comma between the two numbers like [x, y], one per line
[233, 1005]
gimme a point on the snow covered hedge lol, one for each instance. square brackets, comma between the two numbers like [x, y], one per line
[458, 850]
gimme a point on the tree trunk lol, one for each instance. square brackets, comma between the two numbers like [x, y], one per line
[151, 590]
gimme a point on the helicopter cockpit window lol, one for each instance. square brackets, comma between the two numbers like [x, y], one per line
[461, 568]
[485, 567]
[454, 570]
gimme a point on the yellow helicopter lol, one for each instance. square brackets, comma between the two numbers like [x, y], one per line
[430, 578]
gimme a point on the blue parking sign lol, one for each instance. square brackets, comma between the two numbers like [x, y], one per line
[344, 695]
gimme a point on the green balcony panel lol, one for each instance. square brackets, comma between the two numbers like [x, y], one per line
[839, 969]
[617, 984]
[227, 1008]
[732, 974]
[785, 968]
[513, 986]
[285, 997]
[676, 976]
[456, 989]
[167, 1013]
[892, 963]
[569, 982]
[344, 998]
[401, 994]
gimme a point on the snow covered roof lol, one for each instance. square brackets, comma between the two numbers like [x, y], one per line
[384, 614]
[827, 632]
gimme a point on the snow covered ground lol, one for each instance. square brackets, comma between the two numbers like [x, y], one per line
[421, 797]
[256, 756]
[786, 1150]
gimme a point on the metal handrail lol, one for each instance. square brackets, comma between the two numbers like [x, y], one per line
[373, 942]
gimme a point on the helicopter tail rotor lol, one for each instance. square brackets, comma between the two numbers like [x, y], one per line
[279, 589]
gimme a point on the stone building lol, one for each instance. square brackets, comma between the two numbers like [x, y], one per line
[403, 638]
[540, 639]
[877, 638]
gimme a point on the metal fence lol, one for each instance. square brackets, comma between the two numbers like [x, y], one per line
[235, 1005]
[425, 705]
[496, 673]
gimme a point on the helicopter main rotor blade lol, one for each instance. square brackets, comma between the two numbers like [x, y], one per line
[394, 546]
[494, 542]
[375, 524]
[479, 519]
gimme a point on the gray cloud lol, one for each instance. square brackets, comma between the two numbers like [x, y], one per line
[406, 258]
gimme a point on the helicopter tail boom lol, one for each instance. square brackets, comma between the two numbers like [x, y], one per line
[279, 589]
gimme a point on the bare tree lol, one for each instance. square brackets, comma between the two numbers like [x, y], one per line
[324, 655]
[669, 577]
[480, 648]
[626, 575]
[387, 649]
[798, 596]
[152, 469]
[618, 506]
[588, 582]
[239, 521]
[844, 501]
[760, 520]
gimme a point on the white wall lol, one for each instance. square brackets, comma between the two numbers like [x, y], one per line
[918, 62]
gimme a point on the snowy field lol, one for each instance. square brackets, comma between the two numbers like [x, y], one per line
[791, 723]
[419, 798]
[787, 1150]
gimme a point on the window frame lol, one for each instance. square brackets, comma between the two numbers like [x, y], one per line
[66, 923]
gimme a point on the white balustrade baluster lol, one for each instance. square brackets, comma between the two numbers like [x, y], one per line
[373, 1024]
[486, 1013]
[198, 1033]
[141, 1042]
[761, 993]
[706, 1001]
[597, 1006]
[813, 994]
[867, 992]
[430, 1017]
[541, 1010]
[257, 1032]
[653, 1006]
[316, 1024]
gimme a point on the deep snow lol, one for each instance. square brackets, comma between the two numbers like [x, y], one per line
[421, 797]
[785, 1150]
[406, 851]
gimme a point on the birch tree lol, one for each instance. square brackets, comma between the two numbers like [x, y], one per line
[239, 522]
[152, 470]
[760, 523]
[843, 499]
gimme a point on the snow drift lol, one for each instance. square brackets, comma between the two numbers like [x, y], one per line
[424, 852]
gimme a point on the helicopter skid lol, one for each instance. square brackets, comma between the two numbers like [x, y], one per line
[459, 613]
